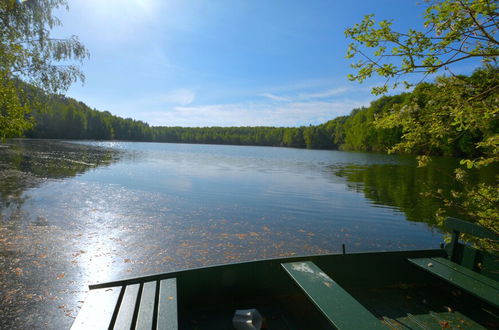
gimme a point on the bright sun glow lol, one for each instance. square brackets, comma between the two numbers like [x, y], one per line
[111, 10]
[113, 21]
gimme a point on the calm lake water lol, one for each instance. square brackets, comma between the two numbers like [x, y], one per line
[74, 213]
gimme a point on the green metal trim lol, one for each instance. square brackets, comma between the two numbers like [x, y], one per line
[275, 261]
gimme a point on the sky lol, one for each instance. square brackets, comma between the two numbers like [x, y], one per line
[202, 63]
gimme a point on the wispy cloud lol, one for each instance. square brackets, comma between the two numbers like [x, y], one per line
[324, 94]
[253, 114]
[274, 97]
[192, 108]
[310, 96]
[179, 97]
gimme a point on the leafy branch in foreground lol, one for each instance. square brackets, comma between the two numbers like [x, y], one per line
[455, 110]
[29, 53]
[454, 30]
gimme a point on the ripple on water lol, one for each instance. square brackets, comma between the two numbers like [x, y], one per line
[78, 213]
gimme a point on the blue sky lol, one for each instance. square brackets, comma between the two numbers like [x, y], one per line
[223, 62]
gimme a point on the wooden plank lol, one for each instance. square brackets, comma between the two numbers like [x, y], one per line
[146, 308]
[468, 272]
[468, 258]
[470, 228]
[417, 321]
[167, 306]
[459, 279]
[98, 309]
[455, 320]
[127, 307]
[337, 305]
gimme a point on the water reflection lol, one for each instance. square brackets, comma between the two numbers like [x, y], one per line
[403, 185]
[80, 213]
[34, 251]
[26, 164]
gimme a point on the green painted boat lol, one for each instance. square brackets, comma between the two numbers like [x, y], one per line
[454, 287]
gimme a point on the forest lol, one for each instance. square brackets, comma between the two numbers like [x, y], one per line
[62, 117]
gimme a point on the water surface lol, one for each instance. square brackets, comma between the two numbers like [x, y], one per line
[74, 213]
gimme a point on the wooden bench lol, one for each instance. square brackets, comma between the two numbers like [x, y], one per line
[147, 305]
[460, 269]
[337, 305]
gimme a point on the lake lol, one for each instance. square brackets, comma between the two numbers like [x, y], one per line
[74, 213]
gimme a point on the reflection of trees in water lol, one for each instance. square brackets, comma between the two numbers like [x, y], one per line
[26, 164]
[403, 186]
[12, 185]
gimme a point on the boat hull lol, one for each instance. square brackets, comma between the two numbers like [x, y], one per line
[389, 286]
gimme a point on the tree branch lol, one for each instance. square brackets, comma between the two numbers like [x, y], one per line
[485, 33]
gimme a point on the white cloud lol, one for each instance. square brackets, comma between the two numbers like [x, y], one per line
[274, 97]
[289, 107]
[252, 114]
[178, 97]
[323, 94]
[307, 96]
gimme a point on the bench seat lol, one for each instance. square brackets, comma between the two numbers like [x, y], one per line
[472, 282]
[337, 305]
[144, 305]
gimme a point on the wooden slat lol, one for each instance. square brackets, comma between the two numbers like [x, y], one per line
[459, 279]
[337, 305]
[455, 320]
[97, 311]
[468, 272]
[419, 324]
[470, 228]
[146, 308]
[167, 307]
[127, 307]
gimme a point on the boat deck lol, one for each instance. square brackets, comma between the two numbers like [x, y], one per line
[145, 305]
[435, 306]
[153, 305]
[207, 298]
[427, 289]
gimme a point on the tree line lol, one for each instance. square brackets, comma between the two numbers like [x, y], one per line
[62, 117]
[455, 115]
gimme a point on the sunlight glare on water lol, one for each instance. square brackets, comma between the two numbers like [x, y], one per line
[79, 213]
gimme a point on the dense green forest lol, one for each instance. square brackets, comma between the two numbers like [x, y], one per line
[65, 118]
